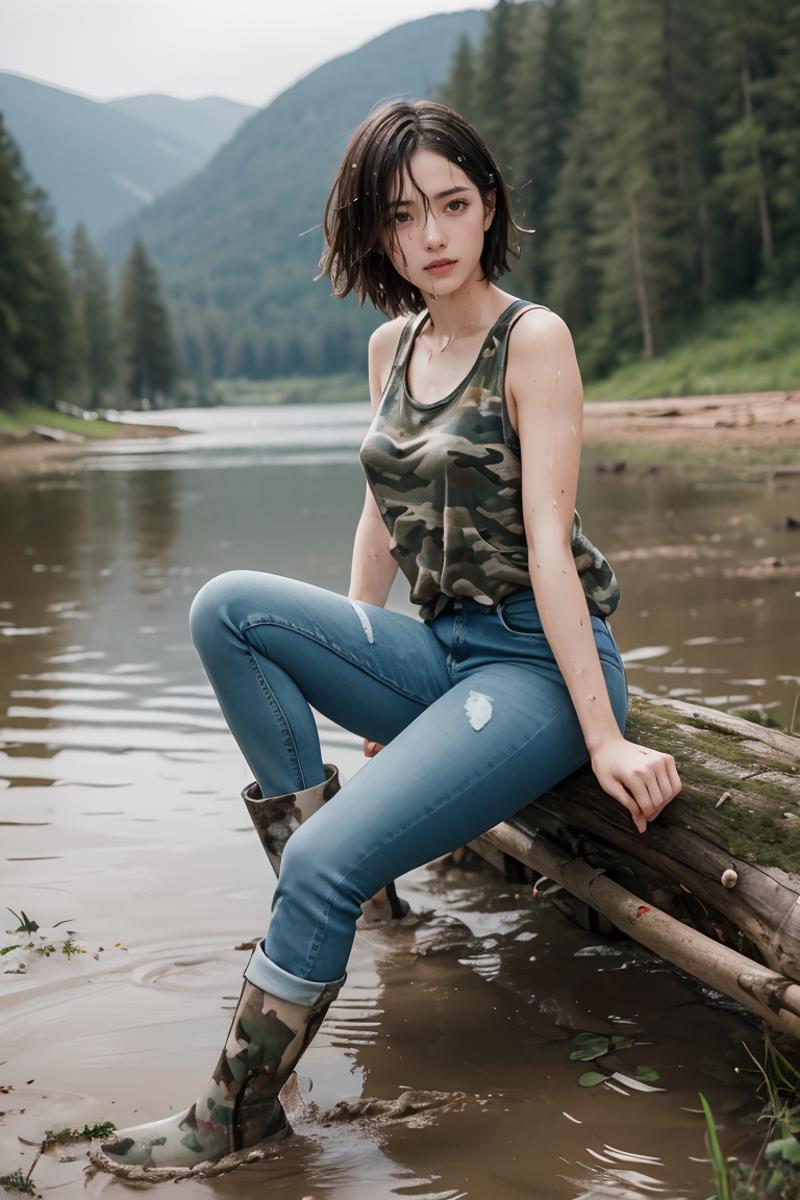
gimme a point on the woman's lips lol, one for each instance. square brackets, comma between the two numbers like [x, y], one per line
[443, 269]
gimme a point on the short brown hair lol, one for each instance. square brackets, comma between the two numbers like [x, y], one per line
[377, 153]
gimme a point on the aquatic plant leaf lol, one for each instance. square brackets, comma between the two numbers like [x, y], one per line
[581, 1039]
[646, 1074]
[619, 1042]
[591, 1079]
[590, 1049]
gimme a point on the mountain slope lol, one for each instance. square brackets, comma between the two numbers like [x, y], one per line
[232, 241]
[205, 124]
[97, 164]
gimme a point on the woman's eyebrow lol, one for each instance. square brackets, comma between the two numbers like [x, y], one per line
[439, 196]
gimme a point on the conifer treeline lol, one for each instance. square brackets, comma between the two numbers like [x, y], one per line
[654, 145]
[63, 336]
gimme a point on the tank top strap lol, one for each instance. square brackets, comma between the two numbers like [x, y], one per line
[404, 344]
[515, 312]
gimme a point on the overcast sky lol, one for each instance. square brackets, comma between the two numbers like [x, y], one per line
[246, 50]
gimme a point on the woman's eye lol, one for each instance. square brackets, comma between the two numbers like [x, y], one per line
[397, 218]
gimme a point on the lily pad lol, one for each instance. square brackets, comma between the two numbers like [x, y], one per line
[646, 1074]
[590, 1049]
[591, 1079]
[581, 1039]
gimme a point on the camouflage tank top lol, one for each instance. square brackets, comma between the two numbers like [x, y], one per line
[446, 479]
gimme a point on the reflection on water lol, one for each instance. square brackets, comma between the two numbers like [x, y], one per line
[120, 812]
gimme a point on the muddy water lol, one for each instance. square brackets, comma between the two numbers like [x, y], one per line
[120, 815]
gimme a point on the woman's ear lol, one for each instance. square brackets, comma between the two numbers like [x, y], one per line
[489, 205]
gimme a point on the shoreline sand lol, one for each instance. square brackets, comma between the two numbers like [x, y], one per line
[35, 455]
[766, 420]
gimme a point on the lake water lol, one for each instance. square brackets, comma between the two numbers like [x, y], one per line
[120, 815]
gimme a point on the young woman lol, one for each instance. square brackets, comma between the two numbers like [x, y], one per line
[511, 679]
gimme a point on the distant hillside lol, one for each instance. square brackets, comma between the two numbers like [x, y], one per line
[206, 124]
[230, 243]
[98, 163]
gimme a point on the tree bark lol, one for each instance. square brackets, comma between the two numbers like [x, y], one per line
[721, 864]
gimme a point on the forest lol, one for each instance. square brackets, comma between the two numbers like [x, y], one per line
[652, 147]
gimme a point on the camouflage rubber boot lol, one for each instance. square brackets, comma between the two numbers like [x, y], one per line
[276, 818]
[239, 1106]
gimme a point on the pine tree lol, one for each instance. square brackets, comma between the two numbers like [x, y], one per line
[784, 146]
[459, 91]
[752, 54]
[640, 244]
[94, 319]
[147, 348]
[545, 88]
[37, 334]
[493, 95]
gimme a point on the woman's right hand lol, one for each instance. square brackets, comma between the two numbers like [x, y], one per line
[371, 748]
[643, 780]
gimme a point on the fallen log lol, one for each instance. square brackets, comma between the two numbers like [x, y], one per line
[713, 885]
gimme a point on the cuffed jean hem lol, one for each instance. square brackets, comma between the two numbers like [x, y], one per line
[267, 975]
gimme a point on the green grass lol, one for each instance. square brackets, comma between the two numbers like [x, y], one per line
[745, 346]
[19, 421]
[775, 1174]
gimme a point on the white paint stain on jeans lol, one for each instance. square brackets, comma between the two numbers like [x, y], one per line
[365, 621]
[478, 707]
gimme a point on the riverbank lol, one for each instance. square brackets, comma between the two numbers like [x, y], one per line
[763, 425]
[749, 419]
[50, 448]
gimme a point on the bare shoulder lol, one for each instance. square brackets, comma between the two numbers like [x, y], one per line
[538, 340]
[535, 328]
[541, 346]
[383, 343]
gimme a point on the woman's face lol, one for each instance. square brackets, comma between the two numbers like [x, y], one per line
[452, 227]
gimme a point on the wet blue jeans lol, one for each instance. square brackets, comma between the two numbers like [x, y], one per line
[471, 708]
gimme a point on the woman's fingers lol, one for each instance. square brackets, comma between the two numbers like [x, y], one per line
[644, 789]
[627, 801]
[674, 777]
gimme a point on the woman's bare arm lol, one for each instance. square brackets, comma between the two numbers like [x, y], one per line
[543, 376]
[373, 568]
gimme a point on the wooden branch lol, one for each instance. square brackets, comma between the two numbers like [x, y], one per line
[772, 997]
[724, 854]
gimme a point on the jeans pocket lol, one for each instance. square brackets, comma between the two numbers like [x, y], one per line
[518, 614]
